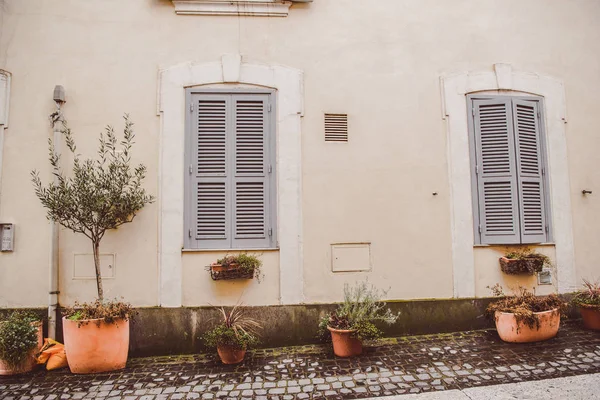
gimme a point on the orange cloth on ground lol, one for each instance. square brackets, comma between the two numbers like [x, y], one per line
[52, 354]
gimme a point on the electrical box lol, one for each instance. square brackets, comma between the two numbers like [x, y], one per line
[7, 236]
[545, 277]
[350, 257]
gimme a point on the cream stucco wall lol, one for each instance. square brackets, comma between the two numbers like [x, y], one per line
[378, 61]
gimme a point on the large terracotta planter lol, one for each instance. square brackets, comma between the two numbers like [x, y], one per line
[230, 355]
[510, 331]
[30, 362]
[344, 343]
[96, 346]
[591, 317]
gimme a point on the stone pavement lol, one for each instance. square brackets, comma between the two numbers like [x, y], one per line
[580, 387]
[397, 366]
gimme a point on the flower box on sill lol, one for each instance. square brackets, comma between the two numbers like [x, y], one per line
[232, 271]
[521, 266]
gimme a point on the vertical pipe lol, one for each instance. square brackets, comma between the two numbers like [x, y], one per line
[54, 251]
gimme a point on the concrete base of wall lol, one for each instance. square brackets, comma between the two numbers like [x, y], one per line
[163, 331]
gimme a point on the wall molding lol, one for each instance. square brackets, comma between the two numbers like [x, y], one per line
[454, 89]
[255, 8]
[289, 84]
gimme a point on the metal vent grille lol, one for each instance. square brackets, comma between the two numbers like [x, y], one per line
[336, 127]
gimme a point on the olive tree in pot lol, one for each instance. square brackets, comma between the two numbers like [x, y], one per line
[98, 196]
[354, 319]
[20, 339]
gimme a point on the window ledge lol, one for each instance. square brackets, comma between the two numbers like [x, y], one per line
[256, 8]
[227, 250]
[547, 244]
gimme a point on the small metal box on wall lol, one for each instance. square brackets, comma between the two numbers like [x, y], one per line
[7, 237]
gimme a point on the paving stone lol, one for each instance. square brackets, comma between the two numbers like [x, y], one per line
[464, 359]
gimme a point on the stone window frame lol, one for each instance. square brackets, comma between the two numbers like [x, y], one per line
[253, 8]
[231, 69]
[504, 80]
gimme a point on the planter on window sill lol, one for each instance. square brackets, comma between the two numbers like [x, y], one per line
[521, 266]
[232, 271]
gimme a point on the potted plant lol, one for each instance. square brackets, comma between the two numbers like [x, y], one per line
[233, 335]
[588, 301]
[20, 339]
[353, 320]
[98, 196]
[524, 317]
[523, 262]
[241, 266]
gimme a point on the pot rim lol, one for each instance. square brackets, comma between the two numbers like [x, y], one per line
[589, 306]
[535, 313]
[92, 320]
[340, 330]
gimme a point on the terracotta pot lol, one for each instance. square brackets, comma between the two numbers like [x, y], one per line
[344, 344]
[96, 345]
[30, 362]
[524, 266]
[510, 331]
[230, 355]
[591, 317]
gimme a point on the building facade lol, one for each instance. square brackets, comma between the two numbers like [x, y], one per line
[408, 142]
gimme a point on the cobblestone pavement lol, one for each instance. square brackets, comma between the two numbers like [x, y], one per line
[394, 366]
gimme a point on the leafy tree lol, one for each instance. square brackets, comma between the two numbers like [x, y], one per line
[100, 194]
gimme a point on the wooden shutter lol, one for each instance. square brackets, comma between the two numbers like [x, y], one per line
[530, 169]
[496, 172]
[209, 169]
[251, 225]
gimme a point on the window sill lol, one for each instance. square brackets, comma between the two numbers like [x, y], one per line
[256, 8]
[227, 250]
[549, 244]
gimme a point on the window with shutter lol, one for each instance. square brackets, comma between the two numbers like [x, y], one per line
[508, 163]
[230, 156]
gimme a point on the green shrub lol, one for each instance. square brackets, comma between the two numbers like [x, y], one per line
[18, 337]
[588, 297]
[236, 330]
[221, 335]
[361, 309]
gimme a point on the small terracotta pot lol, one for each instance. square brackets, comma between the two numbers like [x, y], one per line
[30, 362]
[511, 331]
[344, 343]
[96, 345]
[230, 355]
[591, 317]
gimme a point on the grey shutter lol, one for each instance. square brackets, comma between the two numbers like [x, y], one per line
[496, 172]
[530, 171]
[209, 181]
[252, 166]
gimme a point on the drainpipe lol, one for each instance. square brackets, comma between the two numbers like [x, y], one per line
[57, 120]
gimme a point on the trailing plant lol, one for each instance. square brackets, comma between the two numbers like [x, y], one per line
[108, 311]
[245, 263]
[100, 194]
[235, 330]
[18, 338]
[589, 296]
[523, 304]
[361, 309]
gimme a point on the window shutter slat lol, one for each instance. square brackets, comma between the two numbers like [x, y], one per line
[496, 177]
[251, 162]
[529, 167]
[209, 181]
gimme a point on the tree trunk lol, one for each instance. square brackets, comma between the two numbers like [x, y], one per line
[98, 272]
